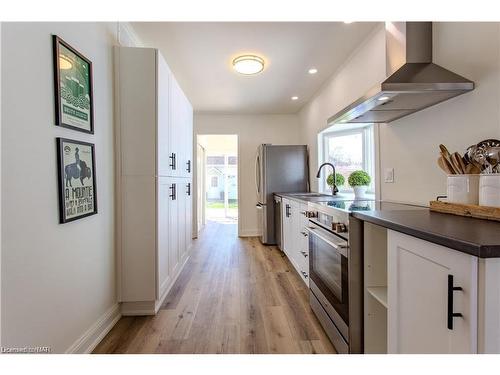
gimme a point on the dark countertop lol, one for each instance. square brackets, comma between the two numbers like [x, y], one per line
[477, 237]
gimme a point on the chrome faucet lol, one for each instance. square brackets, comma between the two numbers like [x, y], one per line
[334, 187]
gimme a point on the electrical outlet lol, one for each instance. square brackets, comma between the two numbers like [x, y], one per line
[389, 175]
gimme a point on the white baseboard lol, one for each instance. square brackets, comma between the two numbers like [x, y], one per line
[249, 233]
[90, 339]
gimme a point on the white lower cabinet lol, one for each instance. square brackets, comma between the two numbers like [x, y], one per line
[432, 297]
[295, 242]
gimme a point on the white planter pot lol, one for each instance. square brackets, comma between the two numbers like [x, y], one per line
[489, 190]
[359, 192]
[463, 188]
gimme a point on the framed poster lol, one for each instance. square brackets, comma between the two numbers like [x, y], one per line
[76, 179]
[74, 106]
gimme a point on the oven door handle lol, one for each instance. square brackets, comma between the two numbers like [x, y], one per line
[340, 248]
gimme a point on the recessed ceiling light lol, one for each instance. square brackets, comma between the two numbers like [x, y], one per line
[294, 98]
[383, 98]
[248, 64]
[313, 71]
[348, 22]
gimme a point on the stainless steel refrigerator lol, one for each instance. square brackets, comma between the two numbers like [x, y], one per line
[278, 169]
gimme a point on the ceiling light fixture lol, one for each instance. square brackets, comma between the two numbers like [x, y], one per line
[294, 98]
[348, 22]
[313, 71]
[383, 98]
[248, 64]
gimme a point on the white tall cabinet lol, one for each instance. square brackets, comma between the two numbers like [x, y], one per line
[154, 179]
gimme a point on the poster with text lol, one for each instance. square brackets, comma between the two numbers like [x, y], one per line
[73, 88]
[77, 183]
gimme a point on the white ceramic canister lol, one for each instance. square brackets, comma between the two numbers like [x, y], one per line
[489, 190]
[463, 188]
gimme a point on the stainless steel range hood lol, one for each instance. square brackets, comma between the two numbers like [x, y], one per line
[414, 82]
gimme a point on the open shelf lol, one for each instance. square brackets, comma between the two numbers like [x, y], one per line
[379, 293]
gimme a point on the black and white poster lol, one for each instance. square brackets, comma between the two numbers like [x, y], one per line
[77, 184]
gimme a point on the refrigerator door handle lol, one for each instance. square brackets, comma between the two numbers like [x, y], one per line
[257, 174]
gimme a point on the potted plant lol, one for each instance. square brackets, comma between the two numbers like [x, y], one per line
[339, 179]
[359, 181]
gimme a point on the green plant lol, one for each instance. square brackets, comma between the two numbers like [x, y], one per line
[359, 178]
[339, 179]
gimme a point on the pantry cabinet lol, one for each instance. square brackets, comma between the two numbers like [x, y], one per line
[154, 145]
[295, 241]
[432, 297]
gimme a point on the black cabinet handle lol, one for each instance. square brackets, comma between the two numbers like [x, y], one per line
[188, 186]
[304, 234]
[173, 162]
[452, 314]
[173, 192]
[304, 254]
[304, 274]
[287, 210]
[188, 166]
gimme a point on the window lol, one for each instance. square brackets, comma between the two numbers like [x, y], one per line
[349, 150]
[214, 182]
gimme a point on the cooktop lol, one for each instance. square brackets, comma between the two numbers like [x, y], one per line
[352, 205]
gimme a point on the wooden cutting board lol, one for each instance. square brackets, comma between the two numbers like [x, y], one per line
[468, 210]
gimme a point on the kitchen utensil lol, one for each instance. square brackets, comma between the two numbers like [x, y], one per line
[492, 155]
[458, 162]
[445, 151]
[472, 169]
[448, 164]
[444, 166]
[476, 154]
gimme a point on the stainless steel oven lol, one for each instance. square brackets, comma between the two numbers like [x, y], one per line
[329, 283]
[336, 271]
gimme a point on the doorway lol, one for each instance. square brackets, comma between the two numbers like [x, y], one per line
[217, 179]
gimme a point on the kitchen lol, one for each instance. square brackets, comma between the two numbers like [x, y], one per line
[367, 191]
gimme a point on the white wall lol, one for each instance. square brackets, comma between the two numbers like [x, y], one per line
[362, 70]
[252, 130]
[410, 145]
[57, 280]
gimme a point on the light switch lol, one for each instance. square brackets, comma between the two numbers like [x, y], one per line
[389, 175]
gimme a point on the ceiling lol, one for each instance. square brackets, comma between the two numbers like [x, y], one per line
[200, 55]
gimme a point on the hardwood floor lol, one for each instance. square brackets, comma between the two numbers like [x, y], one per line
[234, 296]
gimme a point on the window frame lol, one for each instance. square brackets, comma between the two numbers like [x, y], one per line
[368, 154]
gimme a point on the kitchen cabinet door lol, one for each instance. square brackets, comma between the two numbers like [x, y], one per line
[181, 217]
[173, 230]
[176, 138]
[287, 226]
[188, 231]
[162, 264]
[421, 276]
[187, 141]
[163, 116]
